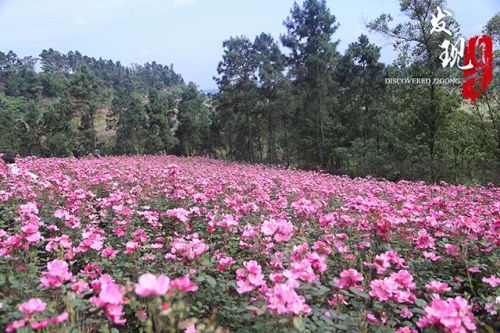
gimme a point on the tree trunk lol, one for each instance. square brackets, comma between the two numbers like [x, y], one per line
[250, 140]
[270, 143]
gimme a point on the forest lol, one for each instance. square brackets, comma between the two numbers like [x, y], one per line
[295, 101]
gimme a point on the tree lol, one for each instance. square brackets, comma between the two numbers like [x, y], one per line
[56, 120]
[194, 122]
[360, 78]
[238, 96]
[272, 83]
[161, 111]
[130, 128]
[422, 48]
[86, 89]
[311, 61]
[20, 77]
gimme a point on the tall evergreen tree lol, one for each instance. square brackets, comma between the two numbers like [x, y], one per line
[312, 58]
[130, 128]
[238, 96]
[86, 89]
[422, 48]
[272, 84]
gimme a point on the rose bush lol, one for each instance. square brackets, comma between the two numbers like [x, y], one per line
[167, 244]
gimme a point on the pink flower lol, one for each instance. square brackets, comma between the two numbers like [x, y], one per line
[111, 293]
[431, 256]
[180, 213]
[424, 240]
[370, 317]
[80, 287]
[109, 252]
[28, 209]
[452, 250]
[187, 247]
[36, 325]
[227, 221]
[60, 318]
[250, 277]
[58, 272]
[110, 298]
[150, 285]
[268, 227]
[184, 284]
[406, 329]
[337, 299]
[32, 306]
[382, 290]
[284, 231]
[225, 262]
[16, 324]
[282, 299]
[350, 278]
[115, 313]
[303, 270]
[493, 281]
[396, 287]
[404, 279]
[452, 314]
[406, 313]
[385, 260]
[437, 287]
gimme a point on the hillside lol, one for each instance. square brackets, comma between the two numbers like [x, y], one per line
[164, 243]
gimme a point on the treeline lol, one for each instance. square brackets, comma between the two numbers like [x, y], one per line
[296, 101]
[301, 102]
[59, 104]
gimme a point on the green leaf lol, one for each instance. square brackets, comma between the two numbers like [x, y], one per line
[421, 303]
[298, 322]
[13, 281]
[359, 293]
[211, 281]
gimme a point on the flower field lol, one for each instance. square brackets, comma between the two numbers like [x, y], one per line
[169, 244]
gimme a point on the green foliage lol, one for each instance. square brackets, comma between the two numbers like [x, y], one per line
[309, 107]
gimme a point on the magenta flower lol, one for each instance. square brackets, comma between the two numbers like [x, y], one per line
[431, 256]
[16, 324]
[187, 247]
[283, 299]
[250, 277]
[493, 281]
[180, 213]
[424, 240]
[437, 287]
[349, 278]
[397, 287]
[150, 285]
[111, 293]
[32, 306]
[110, 298]
[452, 314]
[225, 262]
[184, 284]
[57, 273]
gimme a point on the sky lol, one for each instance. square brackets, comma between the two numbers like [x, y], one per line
[187, 33]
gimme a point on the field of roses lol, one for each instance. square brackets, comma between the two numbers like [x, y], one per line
[170, 244]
